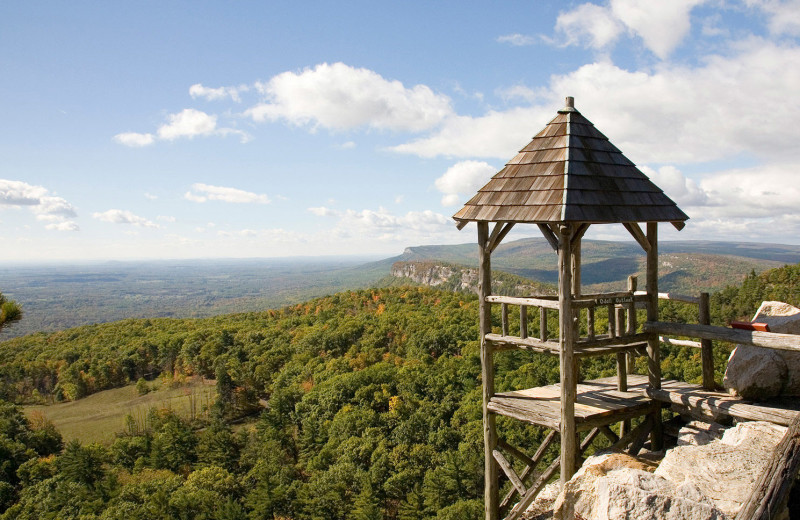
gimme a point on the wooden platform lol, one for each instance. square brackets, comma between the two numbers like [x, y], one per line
[600, 403]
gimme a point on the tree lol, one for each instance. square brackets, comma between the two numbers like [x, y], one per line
[10, 311]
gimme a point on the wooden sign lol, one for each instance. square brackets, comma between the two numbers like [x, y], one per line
[613, 300]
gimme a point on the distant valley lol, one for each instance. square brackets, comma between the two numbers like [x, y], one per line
[57, 297]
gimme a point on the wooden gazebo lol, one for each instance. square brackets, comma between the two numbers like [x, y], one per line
[566, 179]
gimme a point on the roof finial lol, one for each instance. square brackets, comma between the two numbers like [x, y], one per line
[569, 106]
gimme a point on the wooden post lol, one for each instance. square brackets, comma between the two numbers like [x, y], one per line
[575, 263]
[543, 323]
[612, 322]
[523, 321]
[619, 319]
[504, 318]
[491, 485]
[566, 358]
[653, 346]
[706, 347]
[590, 322]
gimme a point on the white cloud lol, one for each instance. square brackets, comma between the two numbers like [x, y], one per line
[730, 105]
[165, 218]
[63, 226]
[322, 211]
[205, 192]
[46, 207]
[18, 193]
[662, 25]
[784, 15]
[463, 179]
[187, 123]
[212, 94]
[589, 24]
[119, 216]
[516, 39]
[338, 97]
[134, 140]
[349, 145]
[495, 134]
[682, 190]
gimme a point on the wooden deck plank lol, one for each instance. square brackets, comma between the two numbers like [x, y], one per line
[600, 403]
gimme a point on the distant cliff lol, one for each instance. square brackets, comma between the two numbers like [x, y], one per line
[458, 278]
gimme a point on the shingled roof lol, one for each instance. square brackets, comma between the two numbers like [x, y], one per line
[570, 172]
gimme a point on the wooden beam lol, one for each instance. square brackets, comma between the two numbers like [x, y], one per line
[523, 321]
[491, 484]
[672, 296]
[653, 345]
[509, 471]
[579, 232]
[461, 224]
[631, 436]
[720, 405]
[706, 347]
[638, 235]
[566, 355]
[680, 342]
[771, 494]
[531, 465]
[537, 486]
[549, 235]
[608, 433]
[746, 337]
[533, 302]
[495, 240]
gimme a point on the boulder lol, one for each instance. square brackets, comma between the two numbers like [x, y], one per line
[614, 486]
[697, 433]
[724, 470]
[757, 373]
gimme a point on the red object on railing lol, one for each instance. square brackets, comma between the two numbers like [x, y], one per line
[746, 325]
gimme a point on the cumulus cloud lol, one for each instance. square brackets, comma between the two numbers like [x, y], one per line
[212, 94]
[135, 140]
[516, 39]
[723, 108]
[322, 211]
[46, 207]
[784, 15]
[119, 216]
[205, 192]
[186, 124]
[661, 25]
[338, 96]
[590, 25]
[682, 190]
[463, 179]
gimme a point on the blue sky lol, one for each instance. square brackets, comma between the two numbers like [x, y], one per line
[261, 129]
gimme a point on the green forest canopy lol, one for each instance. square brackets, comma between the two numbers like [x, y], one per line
[374, 409]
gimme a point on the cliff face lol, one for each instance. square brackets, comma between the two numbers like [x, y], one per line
[458, 278]
[437, 274]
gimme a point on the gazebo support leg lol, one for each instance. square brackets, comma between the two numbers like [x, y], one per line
[491, 485]
[653, 346]
[566, 358]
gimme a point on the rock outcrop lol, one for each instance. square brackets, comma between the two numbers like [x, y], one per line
[724, 470]
[706, 478]
[757, 373]
[613, 486]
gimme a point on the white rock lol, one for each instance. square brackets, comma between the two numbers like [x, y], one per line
[758, 373]
[614, 486]
[724, 470]
[697, 433]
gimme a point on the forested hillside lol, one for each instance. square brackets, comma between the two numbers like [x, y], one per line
[373, 396]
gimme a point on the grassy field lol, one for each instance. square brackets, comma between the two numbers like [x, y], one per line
[98, 417]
